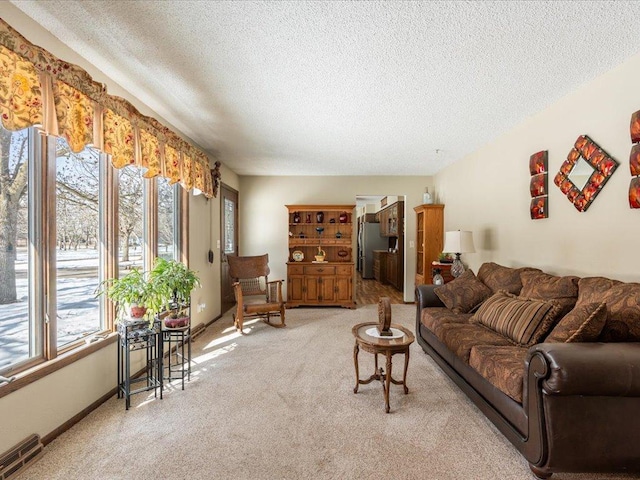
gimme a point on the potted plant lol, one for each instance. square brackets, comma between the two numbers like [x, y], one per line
[132, 291]
[173, 282]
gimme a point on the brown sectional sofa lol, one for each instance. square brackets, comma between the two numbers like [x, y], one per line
[553, 362]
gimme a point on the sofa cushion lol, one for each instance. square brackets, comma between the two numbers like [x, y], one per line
[592, 289]
[582, 324]
[498, 277]
[523, 320]
[623, 306]
[435, 315]
[623, 321]
[502, 366]
[464, 293]
[541, 285]
[460, 338]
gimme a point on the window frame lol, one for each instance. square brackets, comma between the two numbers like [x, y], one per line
[42, 300]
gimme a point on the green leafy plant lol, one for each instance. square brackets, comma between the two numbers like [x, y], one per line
[173, 282]
[132, 290]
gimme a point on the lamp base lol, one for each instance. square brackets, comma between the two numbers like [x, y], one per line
[457, 268]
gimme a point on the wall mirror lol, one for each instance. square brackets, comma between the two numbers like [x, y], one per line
[580, 173]
[584, 172]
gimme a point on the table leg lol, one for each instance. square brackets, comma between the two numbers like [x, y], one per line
[404, 377]
[356, 349]
[387, 383]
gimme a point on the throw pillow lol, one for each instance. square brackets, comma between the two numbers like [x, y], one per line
[497, 277]
[523, 320]
[464, 293]
[623, 306]
[550, 287]
[582, 324]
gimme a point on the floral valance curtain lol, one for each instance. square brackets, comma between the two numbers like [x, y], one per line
[36, 88]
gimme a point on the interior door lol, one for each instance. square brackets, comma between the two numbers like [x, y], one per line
[228, 242]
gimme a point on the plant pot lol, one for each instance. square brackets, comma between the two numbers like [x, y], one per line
[179, 322]
[138, 311]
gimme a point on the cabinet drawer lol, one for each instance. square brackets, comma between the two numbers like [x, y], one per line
[320, 270]
[343, 270]
[296, 269]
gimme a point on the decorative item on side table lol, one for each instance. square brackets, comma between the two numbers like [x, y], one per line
[384, 317]
[438, 279]
[458, 242]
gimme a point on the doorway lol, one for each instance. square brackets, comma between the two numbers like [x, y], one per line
[228, 243]
[380, 257]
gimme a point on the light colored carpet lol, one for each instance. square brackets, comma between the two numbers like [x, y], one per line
[279, 404]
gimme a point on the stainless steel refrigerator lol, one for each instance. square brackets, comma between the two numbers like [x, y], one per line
[369, 239]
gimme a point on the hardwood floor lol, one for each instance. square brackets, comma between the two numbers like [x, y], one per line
[369, 291]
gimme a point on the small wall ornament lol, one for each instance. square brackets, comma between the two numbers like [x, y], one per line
[634, 161]
[538, 168]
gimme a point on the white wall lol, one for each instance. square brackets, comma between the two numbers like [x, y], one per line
[488, 191]
[264, 221]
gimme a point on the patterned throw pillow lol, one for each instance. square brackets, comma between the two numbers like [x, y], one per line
[582, 324]
[464, 293]
[623, 306]
[550, 287]
[523, 320]
[497, 277]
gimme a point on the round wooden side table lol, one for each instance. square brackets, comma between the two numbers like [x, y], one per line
[368, 338]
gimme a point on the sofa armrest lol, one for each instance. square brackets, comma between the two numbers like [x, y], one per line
[591, 369]
[425, 297]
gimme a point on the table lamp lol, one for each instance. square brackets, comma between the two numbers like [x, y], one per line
[458, 242]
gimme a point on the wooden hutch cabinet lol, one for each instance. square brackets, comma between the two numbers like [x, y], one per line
[429, 240]
[327, 282]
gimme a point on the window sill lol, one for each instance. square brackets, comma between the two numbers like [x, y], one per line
[41, 370]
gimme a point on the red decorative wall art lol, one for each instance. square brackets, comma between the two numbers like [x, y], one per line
[634, 161]
[584, 172]
[538, 186]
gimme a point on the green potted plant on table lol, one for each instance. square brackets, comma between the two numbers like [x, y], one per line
[132, 291]
[173, 282]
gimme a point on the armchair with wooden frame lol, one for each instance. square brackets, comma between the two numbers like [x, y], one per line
[255, 295]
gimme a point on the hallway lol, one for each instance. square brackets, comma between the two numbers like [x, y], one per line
[368, 291]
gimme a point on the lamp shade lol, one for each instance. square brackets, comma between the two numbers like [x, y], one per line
[458, 241]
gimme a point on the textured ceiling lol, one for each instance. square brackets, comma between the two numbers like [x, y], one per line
[344, 88]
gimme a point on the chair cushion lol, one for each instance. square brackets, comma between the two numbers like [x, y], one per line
[464, 293]
[582, 324]
[540, 285]
[498, 277]
[502, 366]
[523, 320]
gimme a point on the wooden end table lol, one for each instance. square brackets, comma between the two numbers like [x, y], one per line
[385, 346]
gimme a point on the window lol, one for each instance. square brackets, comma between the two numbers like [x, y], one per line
[77, 240]
[18, 336]
[130, 219]
[60, 237]
[167, 224]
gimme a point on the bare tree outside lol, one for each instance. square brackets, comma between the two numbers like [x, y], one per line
[166, 219]
[131, 198]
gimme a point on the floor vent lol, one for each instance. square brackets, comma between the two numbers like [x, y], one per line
[20, 456]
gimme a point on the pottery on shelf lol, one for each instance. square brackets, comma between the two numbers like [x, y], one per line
[320, 217]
